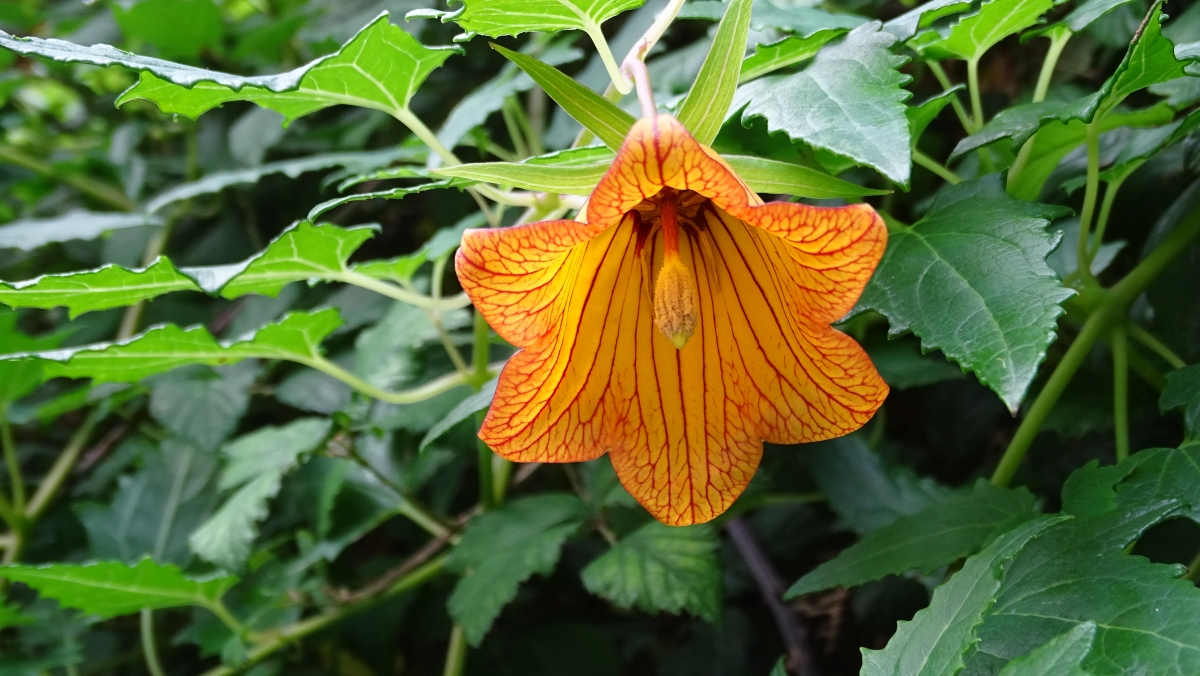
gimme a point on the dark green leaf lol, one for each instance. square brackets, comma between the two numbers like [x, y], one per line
[974, 34]
[1059, 657]
[201, 404]
[19, 378]
[919, 116]
[502, 549]
[850, 101]
[661, 568]
[1183, 391]
[969, 252]
[1090, 11]
[703, 110]
[111, 588]
[934, 537]
[903, 366]
[466, 410]
[937, 638]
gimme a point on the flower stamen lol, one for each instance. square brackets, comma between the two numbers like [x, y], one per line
[676, 302]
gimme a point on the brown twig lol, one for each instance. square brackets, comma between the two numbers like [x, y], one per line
[794, 634]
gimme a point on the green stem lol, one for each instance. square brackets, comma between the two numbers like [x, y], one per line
[430, 139]
[218, 608]
[921, 159]
[289, 635]
[976, 100]
[392, 291]
[1089, 201]
[1156, 346]
[154, 249]
[417, 394]
[1110, 196]
[501, 474]
[149, 649]
[102, 192]
[1120, 351]
[619, 82]
[959, 110]
[520, 147]
[1113, 308]
[407, 506]
[1058, 41]
[14, 465]
[456, 653]
[62, 467]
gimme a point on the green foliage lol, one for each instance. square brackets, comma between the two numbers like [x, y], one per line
[974, 34]
[111, 588]
[703, 109]
[512, 17]
[969, 251]
[661, 569]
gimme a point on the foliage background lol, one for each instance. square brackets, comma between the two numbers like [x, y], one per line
[321, 501]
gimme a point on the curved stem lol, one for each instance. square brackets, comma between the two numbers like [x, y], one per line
[1120, 351]
[63, 465]
[149, 649]
[392, 291]
[1089, 201]
[1156, 346]
[1058, 41]
[1110, 196]
[10, 458]
[959, 110]
[923, 160]
[420, 393]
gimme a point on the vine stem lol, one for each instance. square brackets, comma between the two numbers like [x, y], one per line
[921, 159]
[1120, 351]
[1058, 41]
[1112, 308]
[1089, 202]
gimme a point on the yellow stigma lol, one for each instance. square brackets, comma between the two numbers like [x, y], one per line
[675, 302]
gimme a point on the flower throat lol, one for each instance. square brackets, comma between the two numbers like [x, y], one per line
[676, 305]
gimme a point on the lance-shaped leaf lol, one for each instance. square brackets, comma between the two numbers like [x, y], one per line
[935, 641]
[971, 279]
[789, 51]
[380, 68]
[597, 114]
[31, 233]
[661, 568]
[850, 101]
[296, 337]
[784, 178]
[976, 33]
[513, 17]
[563, 180]
[256, 464]
[704, 108]
[303, 251]
[934, 537]
[111, 588]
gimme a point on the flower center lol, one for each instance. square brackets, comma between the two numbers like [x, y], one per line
[676, 304]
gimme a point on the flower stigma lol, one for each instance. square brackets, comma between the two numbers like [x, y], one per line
[676, 301]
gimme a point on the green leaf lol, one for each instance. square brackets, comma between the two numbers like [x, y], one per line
[154, 510]
[1018, 123]
[11, 616]
[768, 58]
[784, 178]
[100, 289]
[1091, 11]
[1142, 144]
[178, 29]
[950, 279]
[934, 537]
[480, 401]
[1183, 391]
[563, 180]
[903, 366]
[703, 109]
[597, 114]
[921, 115]
[791, 17]
[973, 35]
[111, 588]
[923, 16]
[394, 194]
[296, 337]
[934, 641]
[661, 568]
[503, 548]
[255, 466]
[864, 491]
[1060, 657]
[17, 378]
[380, 68]
[201, 404]
[30, 233]
[850, 101]
[496, 18]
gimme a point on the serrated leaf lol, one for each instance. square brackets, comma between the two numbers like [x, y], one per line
[768, 58]
[703, 109]
[473, 404]
[661, 568]
[950, 279]
[563, 180]
[100, 289]
[1060, 657]
[597, 114]
[111, 588]
[1142, 144]
[394, 194]
[496, 18]
[934, 537]
[31, 233]
[934, 641]
[296, 337]
[973, 35]
[201, 404]
[850, 101]
[380, 68]
[503, 548]
[255, 466]
[866, 492]
[784, 178]
[1018, 123]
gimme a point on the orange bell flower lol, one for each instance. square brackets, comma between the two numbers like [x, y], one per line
[677, 326]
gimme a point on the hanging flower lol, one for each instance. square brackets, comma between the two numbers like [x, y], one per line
[679, 324]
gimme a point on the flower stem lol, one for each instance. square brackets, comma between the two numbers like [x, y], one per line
[1156, 346]
[1120, 351]
[944, 80]
[921, 159]
[1089, 201]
